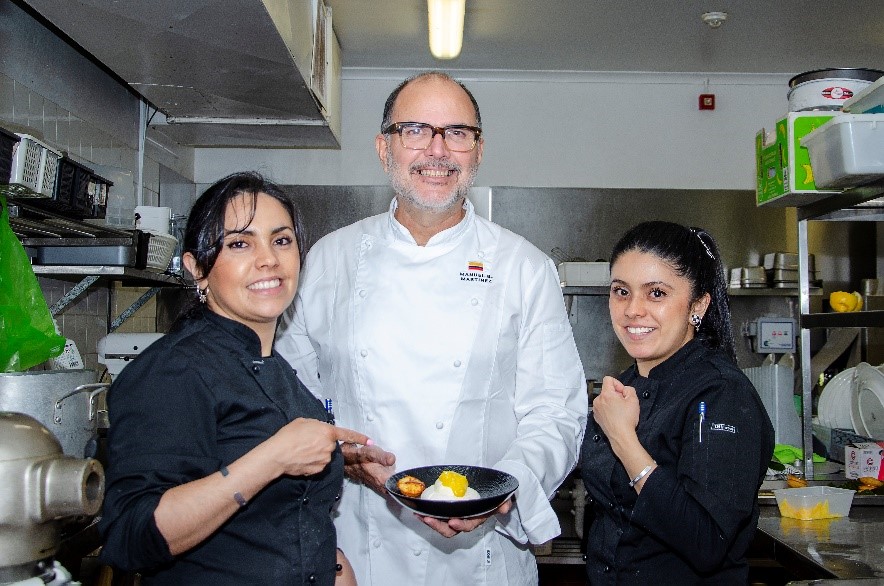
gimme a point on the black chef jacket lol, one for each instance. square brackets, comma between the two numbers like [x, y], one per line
[195, 400]
[698, 510]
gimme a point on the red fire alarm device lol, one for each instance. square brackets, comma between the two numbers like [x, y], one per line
[707, 101]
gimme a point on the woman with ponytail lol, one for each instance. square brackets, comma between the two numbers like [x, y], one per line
[678, 444]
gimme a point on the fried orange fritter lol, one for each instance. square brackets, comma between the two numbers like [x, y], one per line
[410, 486]
[795, 481]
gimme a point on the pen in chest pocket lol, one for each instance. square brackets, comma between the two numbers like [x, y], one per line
[702, 411]
[330, 410]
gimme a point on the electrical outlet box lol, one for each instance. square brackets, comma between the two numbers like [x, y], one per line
[774, 335]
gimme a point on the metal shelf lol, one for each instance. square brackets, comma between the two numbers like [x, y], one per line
[842, 202]
[88, 275]
[561, 551]
[590, 290]
[854, 319]
[604, 290]
[115, 273]
[855, 204]
[769, 292]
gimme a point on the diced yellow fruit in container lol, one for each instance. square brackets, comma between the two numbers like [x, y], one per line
[814, 502]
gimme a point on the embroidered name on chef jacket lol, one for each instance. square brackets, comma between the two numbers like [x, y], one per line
[723, 427]
[476, 272]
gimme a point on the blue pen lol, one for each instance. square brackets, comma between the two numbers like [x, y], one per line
[329, 408]
[702, 417]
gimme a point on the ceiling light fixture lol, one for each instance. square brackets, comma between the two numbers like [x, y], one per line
[446, 27]
[714, 19]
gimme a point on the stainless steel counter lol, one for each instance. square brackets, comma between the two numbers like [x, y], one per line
[848, 548]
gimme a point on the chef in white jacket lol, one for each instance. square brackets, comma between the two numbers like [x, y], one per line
[445, 338]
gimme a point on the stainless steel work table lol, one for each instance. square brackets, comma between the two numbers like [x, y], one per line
[846, 548]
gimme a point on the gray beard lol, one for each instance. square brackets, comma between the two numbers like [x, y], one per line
[407, 191]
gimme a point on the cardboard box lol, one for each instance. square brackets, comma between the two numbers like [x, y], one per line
[863, 459]
[783, 165]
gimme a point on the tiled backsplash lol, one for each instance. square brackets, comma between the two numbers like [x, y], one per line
[25, 111]
[86, 319]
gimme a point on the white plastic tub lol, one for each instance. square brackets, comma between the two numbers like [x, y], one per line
[847, 151]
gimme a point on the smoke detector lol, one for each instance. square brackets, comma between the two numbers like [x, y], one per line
[714, 19]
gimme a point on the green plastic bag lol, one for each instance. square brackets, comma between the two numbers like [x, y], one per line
[27, 332]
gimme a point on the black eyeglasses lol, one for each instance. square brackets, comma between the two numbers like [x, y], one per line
[417, 136]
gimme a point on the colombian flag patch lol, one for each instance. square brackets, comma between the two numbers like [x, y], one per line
[475, 266]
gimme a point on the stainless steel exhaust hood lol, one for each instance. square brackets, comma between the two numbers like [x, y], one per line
[220, 72]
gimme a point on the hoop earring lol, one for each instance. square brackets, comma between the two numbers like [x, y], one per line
[201, 294]
[696, 320]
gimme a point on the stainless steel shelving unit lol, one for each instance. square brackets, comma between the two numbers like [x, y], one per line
[852, 205]
[89, 274]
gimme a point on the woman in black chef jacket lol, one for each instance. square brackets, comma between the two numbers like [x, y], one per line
[678, 444]
[222, 466]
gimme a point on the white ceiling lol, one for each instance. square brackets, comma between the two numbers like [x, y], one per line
[759, 36]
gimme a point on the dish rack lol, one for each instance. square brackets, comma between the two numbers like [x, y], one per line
[160, 249]
[33, 170]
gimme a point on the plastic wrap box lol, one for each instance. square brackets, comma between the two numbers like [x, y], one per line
[863, 459]
[783, 165]
[847, 151]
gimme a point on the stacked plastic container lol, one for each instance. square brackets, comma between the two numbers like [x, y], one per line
[848, 151]
[31, 169]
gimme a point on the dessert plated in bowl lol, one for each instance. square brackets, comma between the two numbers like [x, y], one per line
[493, 488]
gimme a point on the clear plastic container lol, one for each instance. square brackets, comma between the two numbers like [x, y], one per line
[120, 211]
[814, 502]
[847, 151]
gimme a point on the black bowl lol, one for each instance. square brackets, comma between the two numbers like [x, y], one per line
[493, 486]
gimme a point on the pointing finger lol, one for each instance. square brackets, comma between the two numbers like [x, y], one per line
[350, 436]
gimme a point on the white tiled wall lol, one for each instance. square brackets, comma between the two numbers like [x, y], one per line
[23, 110]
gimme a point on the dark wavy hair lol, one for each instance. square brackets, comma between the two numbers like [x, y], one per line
[387, 119]
[692, 254]
[204, 235]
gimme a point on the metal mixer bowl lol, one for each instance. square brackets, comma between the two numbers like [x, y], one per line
[67, 402]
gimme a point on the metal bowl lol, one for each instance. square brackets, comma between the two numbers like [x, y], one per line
[493, 486]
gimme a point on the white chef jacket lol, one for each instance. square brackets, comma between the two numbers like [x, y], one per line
[457, 352]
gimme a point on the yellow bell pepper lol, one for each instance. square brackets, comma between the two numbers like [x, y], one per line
[842, 301]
